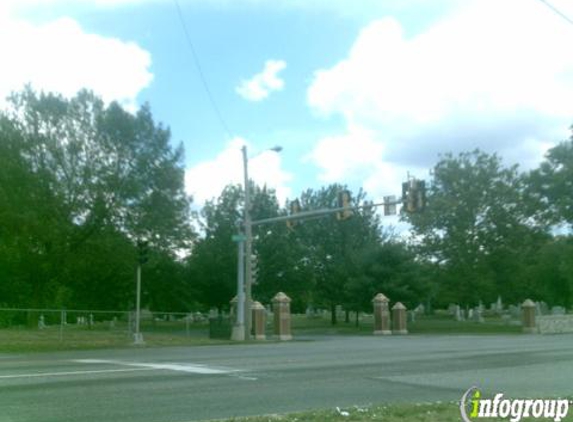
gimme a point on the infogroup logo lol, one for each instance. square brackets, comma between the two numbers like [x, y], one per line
[473, 406]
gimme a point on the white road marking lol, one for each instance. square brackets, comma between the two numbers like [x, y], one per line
[133, 367]
[242, 377]
[179, 367]
[60, 374]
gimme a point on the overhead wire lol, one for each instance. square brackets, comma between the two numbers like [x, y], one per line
[199, 68]
[557, 11]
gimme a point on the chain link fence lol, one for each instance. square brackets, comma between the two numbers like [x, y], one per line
[98, 325]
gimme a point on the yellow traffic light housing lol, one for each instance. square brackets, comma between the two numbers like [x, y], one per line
[344, 201]
[294, 209]
[413, 196]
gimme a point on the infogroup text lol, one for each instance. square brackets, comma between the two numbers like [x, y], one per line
[473, 406]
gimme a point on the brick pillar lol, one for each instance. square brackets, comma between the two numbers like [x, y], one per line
[381, 315]
[528, 317]
[259, 320]
[399, 319]
[281, 309]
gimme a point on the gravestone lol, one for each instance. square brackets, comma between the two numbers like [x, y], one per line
[514, 311]
[558, 310]
[458, 313]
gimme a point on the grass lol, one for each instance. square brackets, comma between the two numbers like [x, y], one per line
[73, 337]
[435, 324]
[421, 412]
[79, 338]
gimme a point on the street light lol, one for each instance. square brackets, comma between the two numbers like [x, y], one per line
[245, 252]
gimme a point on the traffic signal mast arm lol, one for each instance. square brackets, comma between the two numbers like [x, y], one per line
[319, 213]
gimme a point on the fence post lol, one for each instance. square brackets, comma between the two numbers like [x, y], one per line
[62, 322]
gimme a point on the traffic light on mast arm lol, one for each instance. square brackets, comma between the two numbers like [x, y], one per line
[294, 209]
[414, 196]
[344, 200]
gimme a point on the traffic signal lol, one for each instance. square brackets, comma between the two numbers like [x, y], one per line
[294, 209]
[344, 200]
[420, 195]
[142, 251]
[254, 262]
[414, 196]
[389, 205]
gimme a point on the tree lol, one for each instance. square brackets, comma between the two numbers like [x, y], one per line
[550, 275]
[390, 268]
[476, 228]
[328, 245]
[92, 172]
[212, 265]
[276, 252]
[552, 183]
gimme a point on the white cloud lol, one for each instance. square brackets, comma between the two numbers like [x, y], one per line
[494, 75]
[60, 56]
[206, 180]
[262, 84]
[338, 160]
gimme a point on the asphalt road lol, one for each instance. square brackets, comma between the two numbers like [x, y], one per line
[190, 384]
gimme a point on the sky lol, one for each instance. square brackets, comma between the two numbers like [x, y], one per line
[361, 92]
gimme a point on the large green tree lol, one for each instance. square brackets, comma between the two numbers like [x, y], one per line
[212, 266]
[213, 263]
[88, 180]
[552, 185]
[329, 245]
[476, 228]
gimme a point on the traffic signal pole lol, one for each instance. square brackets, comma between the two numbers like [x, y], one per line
[319, 213]
[138, 337]
[238, 333]
[248, 247]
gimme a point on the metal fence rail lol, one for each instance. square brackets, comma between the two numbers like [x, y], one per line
[68, 323]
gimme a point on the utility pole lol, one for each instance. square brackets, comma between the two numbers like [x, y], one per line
[141, 259]
[137, 336]
[238, 333]
[248, 246]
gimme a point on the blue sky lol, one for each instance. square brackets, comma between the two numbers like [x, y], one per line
[359, 92]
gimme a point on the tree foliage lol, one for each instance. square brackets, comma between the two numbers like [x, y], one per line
[476, 229]
[552, 185]
[80, 182]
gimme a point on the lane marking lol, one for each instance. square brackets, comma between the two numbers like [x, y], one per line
[243, 377]
[132, 367]
[178, 367]
[61, 374]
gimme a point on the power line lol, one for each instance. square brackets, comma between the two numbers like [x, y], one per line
[563, 15]
[200, 71]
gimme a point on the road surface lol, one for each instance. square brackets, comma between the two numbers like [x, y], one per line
[199, 383]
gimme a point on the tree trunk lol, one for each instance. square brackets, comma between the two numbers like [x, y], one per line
[333, 319]
[347, 316]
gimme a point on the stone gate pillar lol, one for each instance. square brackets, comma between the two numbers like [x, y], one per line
[399, 319]
[381, 315]
[281, 309]
[259, 320]
[528, 317]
